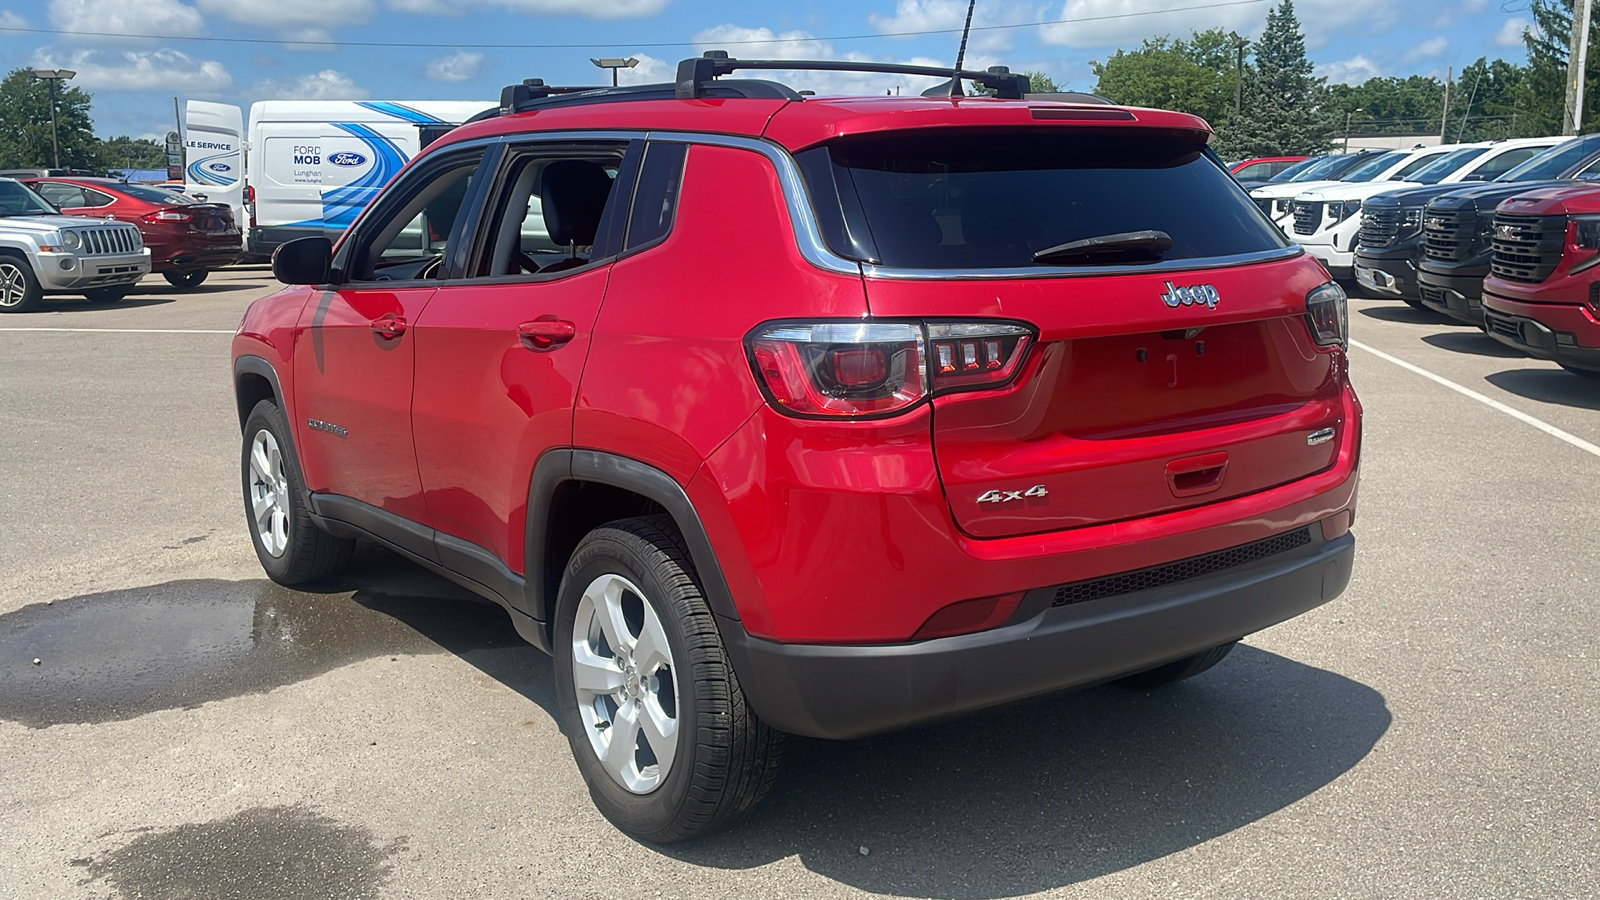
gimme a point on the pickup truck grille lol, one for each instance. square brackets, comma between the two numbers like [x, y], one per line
[109, 240]
[1380, 227]
[1307, 216]
[1528, 248]
[1448, 235]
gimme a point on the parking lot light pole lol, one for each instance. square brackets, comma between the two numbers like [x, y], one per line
[50, 77]
[1347, 127]
[614, 64]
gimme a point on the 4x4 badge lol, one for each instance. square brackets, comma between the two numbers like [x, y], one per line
[1037, 490]
[1192, 295]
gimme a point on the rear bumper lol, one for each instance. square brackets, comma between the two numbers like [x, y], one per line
[1562, 333]
[1459, 297]
[68, 272]
[833, 691]
[208, 254]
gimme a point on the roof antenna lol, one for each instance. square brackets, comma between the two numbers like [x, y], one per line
[961, 54]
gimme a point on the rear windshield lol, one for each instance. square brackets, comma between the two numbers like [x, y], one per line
[156, 195]
[1554, 162]
[979, 201]
[1434, 172]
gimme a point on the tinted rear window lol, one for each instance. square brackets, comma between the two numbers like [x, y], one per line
[960, 201]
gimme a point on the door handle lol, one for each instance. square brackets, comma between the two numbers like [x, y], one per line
[389, 326]
[546, 333]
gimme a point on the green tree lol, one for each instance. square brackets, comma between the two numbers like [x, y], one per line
[25, 124]
[1484, 104]
[1542, 94]
[123, 152]
[1283, 111]
[1193, 76]
[1388, 105]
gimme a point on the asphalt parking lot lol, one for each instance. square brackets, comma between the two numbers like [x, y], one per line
[193, 731]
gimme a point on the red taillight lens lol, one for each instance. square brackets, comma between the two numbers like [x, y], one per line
[867, 369]
[249, 193]
[969, 616]
[166, 215]
[1328, 315]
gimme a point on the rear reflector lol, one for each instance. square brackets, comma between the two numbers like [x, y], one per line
[968, 616]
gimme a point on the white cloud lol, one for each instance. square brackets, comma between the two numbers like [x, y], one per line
[1428, 49]
[1510, 34]
[167, 17]
[1473, 7]
[1124, 23]
[304, 20]
[145, 70]
[763, 43]
[649, 71]
[325, 85]
[589, 9]
[456, 67]
[10, 19]
[1354, 70]
[945, 15]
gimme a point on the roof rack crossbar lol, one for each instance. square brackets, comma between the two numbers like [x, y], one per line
[695, 74]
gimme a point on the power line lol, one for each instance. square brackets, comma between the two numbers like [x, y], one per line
[433, 45]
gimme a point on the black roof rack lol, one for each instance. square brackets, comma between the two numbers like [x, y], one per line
[697, 81]
[696, 75]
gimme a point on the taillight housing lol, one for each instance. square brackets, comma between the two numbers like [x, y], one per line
[166, 215]
[871, 369]
[1328, 315]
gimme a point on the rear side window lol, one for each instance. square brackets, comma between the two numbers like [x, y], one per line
[965, 201]
[1421, 162]
[656, 199]
[1505, 162]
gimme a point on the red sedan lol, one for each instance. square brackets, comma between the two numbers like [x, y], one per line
[187, 238]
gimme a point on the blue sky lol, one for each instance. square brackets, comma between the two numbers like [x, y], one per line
[134, 79]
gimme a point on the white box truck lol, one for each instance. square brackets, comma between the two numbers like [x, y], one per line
[307, 167]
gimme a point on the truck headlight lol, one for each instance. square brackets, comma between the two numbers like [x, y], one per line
[71, 240]
[1349, 208]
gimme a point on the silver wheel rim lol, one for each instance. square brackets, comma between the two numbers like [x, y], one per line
[269, 493]
[626, 684]
[13, 286]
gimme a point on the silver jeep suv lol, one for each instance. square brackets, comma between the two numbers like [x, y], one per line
[43, 252]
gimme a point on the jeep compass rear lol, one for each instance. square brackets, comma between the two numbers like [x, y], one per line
[772, 414]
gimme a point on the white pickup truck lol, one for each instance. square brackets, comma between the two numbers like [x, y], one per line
[43, 252]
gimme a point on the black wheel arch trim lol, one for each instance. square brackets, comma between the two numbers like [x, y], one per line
[557, 467]
[255, 365]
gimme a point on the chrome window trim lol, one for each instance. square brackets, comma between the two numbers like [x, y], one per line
[808, 234]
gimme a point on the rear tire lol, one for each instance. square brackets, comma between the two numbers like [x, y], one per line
[19, 287]
[695, 756]
[186, 281]
[292, 549]
[113, 294]
[1179, 669]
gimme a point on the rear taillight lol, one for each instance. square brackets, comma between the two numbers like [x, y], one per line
[1328, 315]
[870, 369]
[166, 215]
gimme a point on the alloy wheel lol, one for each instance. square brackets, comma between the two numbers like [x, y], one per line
[13, 284]
[269, 493]
[626, 683]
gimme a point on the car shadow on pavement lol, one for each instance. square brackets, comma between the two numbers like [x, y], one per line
[1475, 342]
[1060, 791]
[1399, 312]
[1549, 386]
[219, 287]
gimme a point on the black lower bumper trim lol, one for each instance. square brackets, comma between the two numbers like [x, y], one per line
[1398, 276]
[1460, 299]
[850, 691]
[1538, 341]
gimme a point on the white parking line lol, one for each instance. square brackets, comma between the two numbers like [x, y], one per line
[1490, 402]
[124, 330]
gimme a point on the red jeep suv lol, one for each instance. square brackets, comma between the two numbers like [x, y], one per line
[766, 413]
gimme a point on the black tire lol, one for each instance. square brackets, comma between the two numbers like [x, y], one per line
[310, 554]
[1590, 374]
[112, 294]
[726, 759]
[19, 287]
[186, 281]
[1178, 669]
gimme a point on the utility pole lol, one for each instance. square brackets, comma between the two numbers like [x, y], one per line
[1577, 62]
[1239, 44]
[1444, 119]
[1347, 117]
[50, 77]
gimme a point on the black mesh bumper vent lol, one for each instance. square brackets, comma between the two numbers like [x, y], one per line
[1183, 570]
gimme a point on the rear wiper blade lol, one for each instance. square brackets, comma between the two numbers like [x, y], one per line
[1136, 246]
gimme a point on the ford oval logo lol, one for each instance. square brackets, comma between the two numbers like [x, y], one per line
[220, 167]
[346, 158]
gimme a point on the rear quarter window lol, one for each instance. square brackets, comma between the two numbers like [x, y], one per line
[992, 200]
